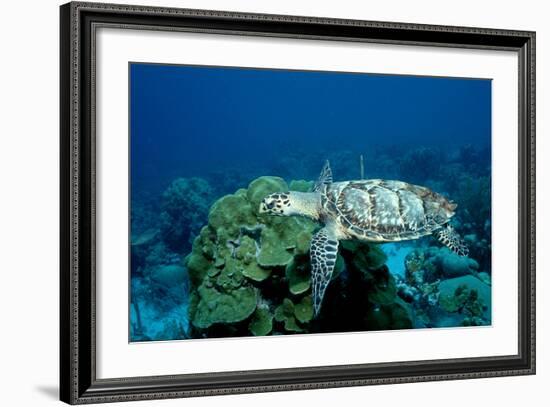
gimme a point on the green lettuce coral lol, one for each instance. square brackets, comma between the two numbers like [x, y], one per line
[239, 249]
[262, 322]
[216, 306]
[223, 297]
[303, 311]
[295, 317]
[285, 314]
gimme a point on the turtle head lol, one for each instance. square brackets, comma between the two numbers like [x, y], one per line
[292, 203]
[276, 204]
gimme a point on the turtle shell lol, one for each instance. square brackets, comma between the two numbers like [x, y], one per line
[385, 211]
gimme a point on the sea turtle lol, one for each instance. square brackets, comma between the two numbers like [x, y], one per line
[371, 210]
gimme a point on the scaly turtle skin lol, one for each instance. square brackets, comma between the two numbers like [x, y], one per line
[367, 210]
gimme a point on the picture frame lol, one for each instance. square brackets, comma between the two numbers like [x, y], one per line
[79, 382]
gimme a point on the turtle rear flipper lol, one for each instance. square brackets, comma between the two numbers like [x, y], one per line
[450, 238]
[323, 253]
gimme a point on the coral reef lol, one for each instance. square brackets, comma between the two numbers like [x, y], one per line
[474, 195]
[185, 204]
[445, 289]
[160, 282]
[420, 164]
[204, 263]
[159, 309]
[468, 296]
[433, 263]
[225, 303]
[396, 315]
[250, 273]
[262, 322]
[284, 314]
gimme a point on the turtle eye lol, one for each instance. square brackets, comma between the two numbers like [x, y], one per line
[270, 205]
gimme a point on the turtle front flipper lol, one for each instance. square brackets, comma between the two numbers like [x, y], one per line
[323, 253]
[325, 178]
[450, 238]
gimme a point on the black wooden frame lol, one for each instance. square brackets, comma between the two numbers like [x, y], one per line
[78, 382]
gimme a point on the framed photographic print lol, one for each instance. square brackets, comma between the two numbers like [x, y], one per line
[257, 203]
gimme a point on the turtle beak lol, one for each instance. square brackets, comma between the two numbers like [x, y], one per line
[263, 207]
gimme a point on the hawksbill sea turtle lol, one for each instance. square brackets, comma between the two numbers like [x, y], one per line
[371, 210]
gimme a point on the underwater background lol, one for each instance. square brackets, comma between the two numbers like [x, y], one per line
[208, 143]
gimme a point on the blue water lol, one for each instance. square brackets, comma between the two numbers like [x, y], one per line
[228, 126]
[190, 121]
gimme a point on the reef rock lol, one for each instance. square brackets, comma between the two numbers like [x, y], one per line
[468, 295]
[453, 265]
[433, 263]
